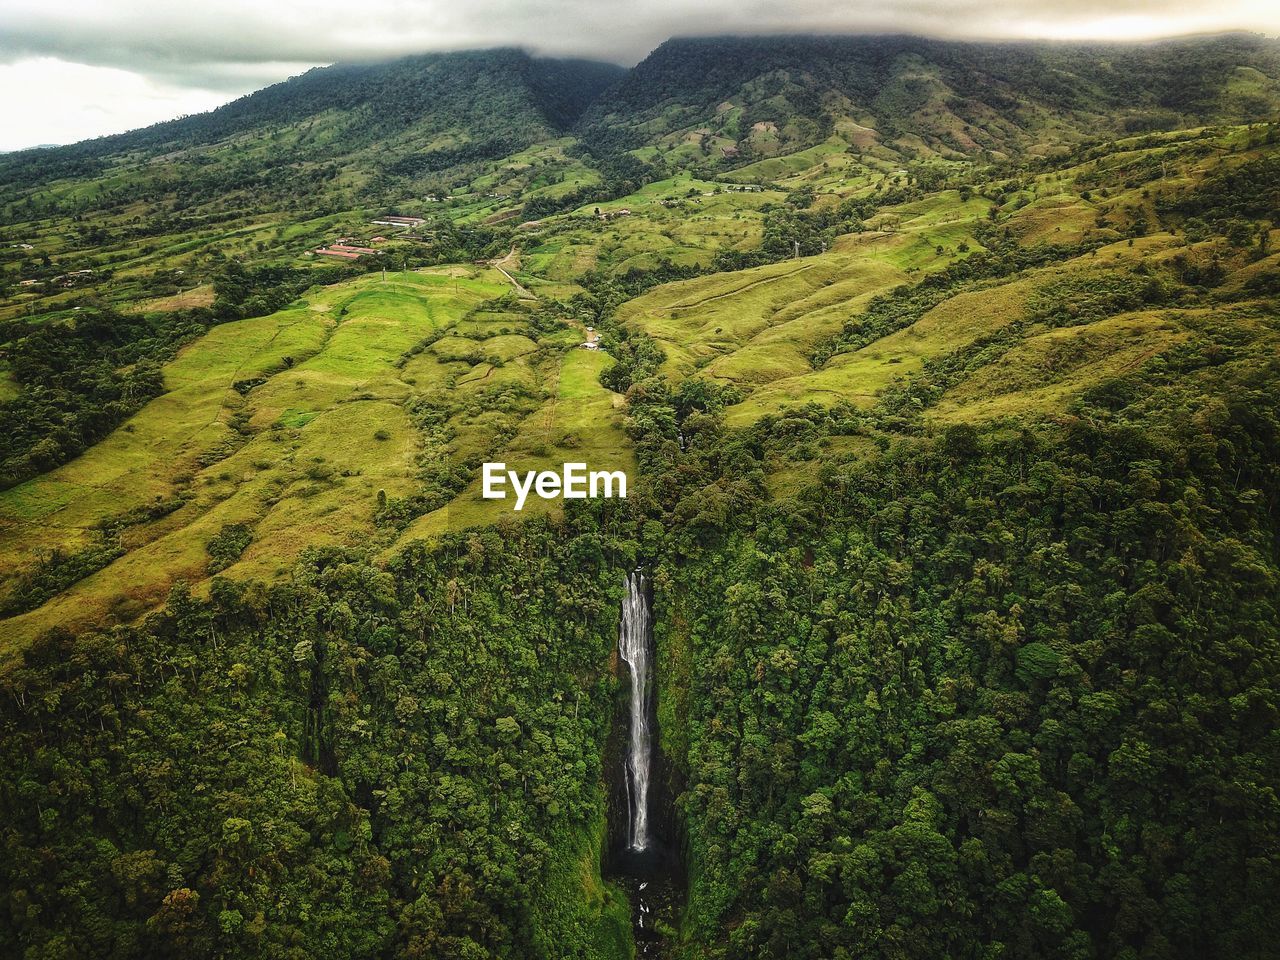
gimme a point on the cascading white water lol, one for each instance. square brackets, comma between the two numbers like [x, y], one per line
[633, 646]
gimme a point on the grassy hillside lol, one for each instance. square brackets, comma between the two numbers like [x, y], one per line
[359, 411]
[964, 291]
[269, 178]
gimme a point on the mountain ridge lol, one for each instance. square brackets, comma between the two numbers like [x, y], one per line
[953, 95]
[466, 83]
[605, 87]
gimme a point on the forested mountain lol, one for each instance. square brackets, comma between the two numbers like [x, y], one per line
[947, 380]
[757, 96]
[466, 105]
[769, 95]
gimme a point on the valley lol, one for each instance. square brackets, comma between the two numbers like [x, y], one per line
[361, 412]
[948, 394]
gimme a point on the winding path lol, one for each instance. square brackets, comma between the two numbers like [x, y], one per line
[521, 291]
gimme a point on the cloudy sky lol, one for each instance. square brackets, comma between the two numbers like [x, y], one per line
[73, 69]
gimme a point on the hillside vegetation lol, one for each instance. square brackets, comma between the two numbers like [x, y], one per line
[763, 97]
[946, 376]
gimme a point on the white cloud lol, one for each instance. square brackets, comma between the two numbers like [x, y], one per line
[48, 100]
[86, 67]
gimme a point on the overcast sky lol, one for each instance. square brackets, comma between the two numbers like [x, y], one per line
[73, 69]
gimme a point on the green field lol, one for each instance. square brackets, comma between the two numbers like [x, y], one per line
[294, 424]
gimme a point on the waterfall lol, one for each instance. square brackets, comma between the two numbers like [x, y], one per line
[635, 640]
[642, 853]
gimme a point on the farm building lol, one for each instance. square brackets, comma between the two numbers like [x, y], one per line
[344, 250]
[405, 223]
